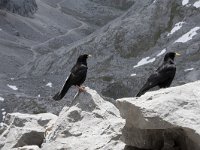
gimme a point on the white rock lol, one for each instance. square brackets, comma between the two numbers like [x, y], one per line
[163, 117]
[29, 147]
[25, 129]
[3, 113]
[91, 124]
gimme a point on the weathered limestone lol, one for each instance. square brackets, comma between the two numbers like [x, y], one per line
[168, 118]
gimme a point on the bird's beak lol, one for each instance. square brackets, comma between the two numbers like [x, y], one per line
[89, 55]
[177, 54]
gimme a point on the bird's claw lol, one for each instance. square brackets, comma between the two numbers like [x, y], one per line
[81, 88]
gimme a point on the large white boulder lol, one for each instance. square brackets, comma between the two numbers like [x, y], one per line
[90, 124]
[25, 130]
[164, 119]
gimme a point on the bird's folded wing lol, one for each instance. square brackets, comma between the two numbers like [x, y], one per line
[78, 70]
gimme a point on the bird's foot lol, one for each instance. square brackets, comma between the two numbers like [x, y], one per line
[81, 88]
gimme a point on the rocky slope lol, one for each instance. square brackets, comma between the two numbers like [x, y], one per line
[90, 123]
[129, 48]
[167, 119]
[22, 7]
[55, 25]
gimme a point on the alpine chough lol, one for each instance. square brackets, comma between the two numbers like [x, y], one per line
[77, 77]
[163, 76]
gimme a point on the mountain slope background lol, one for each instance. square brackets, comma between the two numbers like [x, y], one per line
[127, 39]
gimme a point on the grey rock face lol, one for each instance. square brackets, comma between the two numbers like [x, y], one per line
[141, 32]
[122, 4]
[55, 25]
[22, 7]
[164, 119]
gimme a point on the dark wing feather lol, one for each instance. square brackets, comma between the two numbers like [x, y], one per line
[167, 74]
[162, 78]
[79, 73]
[152, 81]
[64, 89]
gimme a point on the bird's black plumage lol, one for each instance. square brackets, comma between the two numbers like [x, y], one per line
[163, 76]
[77, 76]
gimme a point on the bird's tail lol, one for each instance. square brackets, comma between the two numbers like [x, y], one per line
[58, 96]
[140, 93]
[144, 89]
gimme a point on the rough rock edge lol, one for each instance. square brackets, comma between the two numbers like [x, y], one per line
[163, 117]
[93, 116]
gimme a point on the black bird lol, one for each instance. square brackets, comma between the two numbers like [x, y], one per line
[76, 78]
[163, 76]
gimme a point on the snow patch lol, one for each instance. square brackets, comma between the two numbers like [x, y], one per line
[12, 87]
[2, 109]
[39, 95]
[176, 28]
[197, 4]
[49, 84]
[133, 74]
[188, 36]
[1, 99]
[144, 61]
[12, 79]
[161, 53]
[0, 29]
[4, 113]
[185, 2]
[154, 1]
[189, 69]
[1, 124]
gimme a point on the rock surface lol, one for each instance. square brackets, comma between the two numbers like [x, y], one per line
[25, 129]
[90, 123]
[164, 119]
[167, 119]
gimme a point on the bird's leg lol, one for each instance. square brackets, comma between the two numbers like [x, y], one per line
[81, 88]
